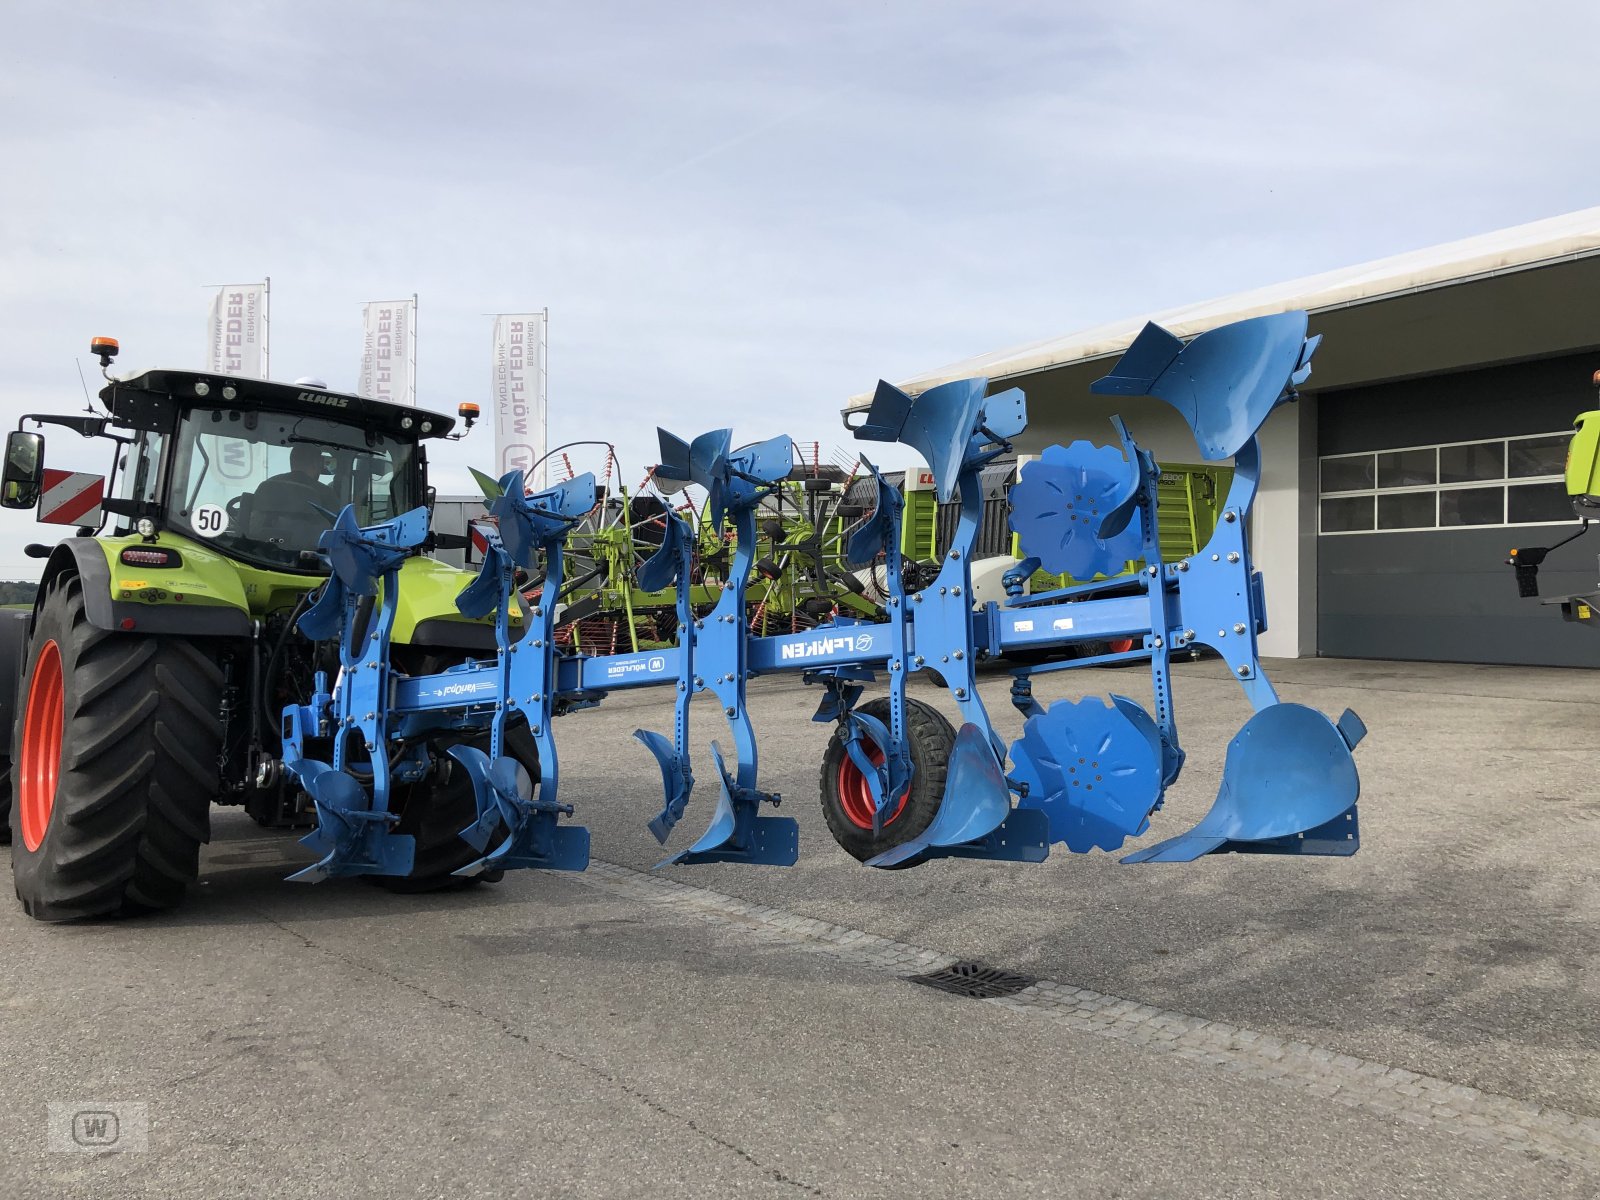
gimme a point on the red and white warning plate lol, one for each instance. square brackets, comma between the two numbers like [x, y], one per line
[71, 497]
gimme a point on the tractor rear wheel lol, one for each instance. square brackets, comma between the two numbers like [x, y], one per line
[5, 802]
[116, 765]
[847, 801]
[1108, 646]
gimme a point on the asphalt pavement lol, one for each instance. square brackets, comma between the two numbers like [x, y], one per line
[1422, 1019]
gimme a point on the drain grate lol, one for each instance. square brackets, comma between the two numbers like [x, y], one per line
[974, 980]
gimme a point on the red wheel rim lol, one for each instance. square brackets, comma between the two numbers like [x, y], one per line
[1120, 645]
[855, 797]
[40, 764]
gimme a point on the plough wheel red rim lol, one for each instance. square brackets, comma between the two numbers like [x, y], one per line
[1120, 645]
[855, 797]
[40, 762]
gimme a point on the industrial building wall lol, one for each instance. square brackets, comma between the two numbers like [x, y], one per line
[1423, 488]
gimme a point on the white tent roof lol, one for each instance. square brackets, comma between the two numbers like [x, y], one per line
[1539, 243]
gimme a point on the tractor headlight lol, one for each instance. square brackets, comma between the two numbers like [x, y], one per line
[202, 388]
[405, 422]
[146, 527]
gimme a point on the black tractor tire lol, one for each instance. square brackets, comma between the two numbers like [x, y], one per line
[1108, 646]
[5, 802]
[435, 814]
[135, 765]
[846, 803]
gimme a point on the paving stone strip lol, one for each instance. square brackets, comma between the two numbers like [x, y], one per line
[1354, 1082]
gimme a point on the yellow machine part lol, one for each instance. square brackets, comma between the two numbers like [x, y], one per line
[1583, 458]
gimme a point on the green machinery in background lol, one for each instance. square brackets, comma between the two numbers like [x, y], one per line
[800, 576]
[799, 580]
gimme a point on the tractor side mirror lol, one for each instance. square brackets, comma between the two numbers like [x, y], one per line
[24, 470]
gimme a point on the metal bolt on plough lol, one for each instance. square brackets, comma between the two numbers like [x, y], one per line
[1085, 773]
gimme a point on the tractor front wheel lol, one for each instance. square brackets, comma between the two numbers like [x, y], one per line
[115, 755]
[847, 801]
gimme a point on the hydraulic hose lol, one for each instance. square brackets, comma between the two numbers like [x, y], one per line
[263, 698]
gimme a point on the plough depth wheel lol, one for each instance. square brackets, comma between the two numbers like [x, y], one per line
[847, 801]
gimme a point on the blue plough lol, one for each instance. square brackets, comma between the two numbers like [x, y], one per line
[1085, 773]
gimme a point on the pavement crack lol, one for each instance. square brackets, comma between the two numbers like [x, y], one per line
[242, 1052]
[637, 1095]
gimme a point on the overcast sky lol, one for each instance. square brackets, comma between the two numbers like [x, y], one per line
[736, 213]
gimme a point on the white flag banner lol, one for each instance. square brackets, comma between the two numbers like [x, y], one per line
[389, 352]
[518, 386]
[238, 333]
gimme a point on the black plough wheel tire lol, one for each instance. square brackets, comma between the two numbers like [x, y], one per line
[847, 803]
[435, 814]
[116, 764]
[5, 799]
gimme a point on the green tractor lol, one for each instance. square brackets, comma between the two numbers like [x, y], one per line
[153, 669]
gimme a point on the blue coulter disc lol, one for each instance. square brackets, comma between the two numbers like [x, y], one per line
[1060, 503]
[1092, 771]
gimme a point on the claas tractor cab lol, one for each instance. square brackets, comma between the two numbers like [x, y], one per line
[161, 649]
[1582, 478]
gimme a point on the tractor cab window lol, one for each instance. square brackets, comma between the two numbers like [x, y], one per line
[139, 472]
[264, 485]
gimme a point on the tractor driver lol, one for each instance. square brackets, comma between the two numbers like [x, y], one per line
[281, 510]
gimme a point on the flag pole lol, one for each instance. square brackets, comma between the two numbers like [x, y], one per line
[544, 386]
[212, 332]
[413, 349]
